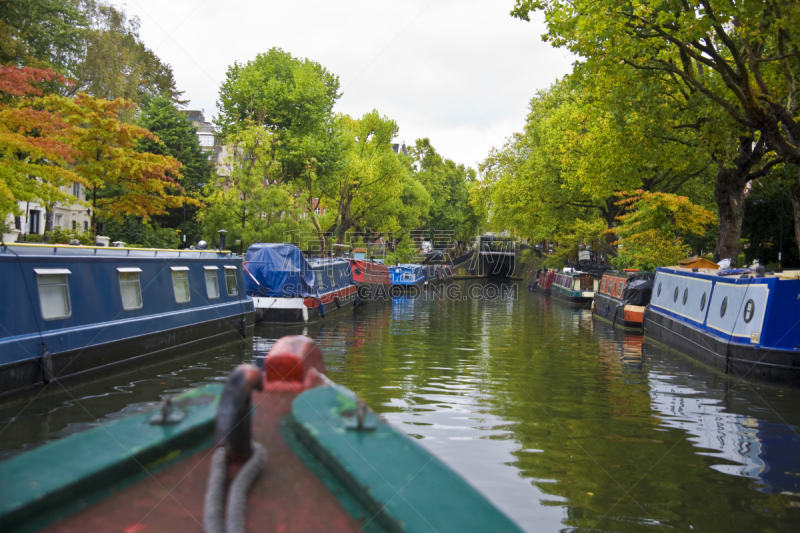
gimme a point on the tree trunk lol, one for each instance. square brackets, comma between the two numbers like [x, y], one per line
[48, 221]
[320, 233]
[729, 195]
[49, 216]
[610, 214]
[341, 231]
[794, 194]
[94, 211]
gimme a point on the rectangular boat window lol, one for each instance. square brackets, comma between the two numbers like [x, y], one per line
[130, 288]
[53, 292]
[230, 280]
[180, 284]
[212, 282]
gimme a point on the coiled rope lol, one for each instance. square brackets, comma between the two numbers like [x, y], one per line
[214, 508]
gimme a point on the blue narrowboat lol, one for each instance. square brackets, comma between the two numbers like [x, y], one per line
[69, 311]
[741, 322]
[406, 277]
[287, 288]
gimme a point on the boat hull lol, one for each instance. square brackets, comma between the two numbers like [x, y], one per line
[76, 366]
[270, 310]
[572, 300]
[740, 360]
[613, 311]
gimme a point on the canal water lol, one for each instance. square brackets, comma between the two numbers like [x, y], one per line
[564, 423]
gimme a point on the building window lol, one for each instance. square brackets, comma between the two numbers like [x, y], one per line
[76, 191]
[317, 211]
[130, 288]
[58, 220]
[33, 221]
[230, 280]
[180, 284]
[74, 225]
[206, 140]
[212, 282]
[53, 292]
[85, 225]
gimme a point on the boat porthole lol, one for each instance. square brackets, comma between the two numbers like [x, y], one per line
[358, 272]
[723, 307]
[749, 310]
[703, 302]
[685, 295]
[675, 297]
[659, 288]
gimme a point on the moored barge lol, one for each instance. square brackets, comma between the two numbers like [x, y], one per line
[72, 311]
[406, 278]
[740, 322]
[289, 289]
[371, 278]
[576, 289]
[544, 282]
[301, 454]
[621, 298]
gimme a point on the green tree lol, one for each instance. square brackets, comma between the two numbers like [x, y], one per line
[251, 204]
[563, 173]
[364, 192]
[115, 63]
[448, 184]
[41, 33]
[740, 59]
[176, 137]
[293, 99]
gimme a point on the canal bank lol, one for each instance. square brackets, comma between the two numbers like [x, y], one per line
[561, 422]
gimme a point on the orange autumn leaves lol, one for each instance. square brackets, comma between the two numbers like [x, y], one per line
[48, 142]
[654, 228]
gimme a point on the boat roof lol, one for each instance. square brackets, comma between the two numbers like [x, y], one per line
[327, 261]
[734, 272]
[68, 250]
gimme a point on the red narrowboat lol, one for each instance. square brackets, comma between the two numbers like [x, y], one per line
[622, 297]
[372, 279]
[545, 281]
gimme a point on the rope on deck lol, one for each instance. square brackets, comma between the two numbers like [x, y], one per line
[214, 508]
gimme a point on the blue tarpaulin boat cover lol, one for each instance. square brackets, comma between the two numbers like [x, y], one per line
[281, 271]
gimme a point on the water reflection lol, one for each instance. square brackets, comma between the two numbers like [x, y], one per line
[755, 439]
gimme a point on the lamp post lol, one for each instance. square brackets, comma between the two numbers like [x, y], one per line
[780, 245]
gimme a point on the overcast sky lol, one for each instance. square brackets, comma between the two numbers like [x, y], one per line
[460, 72]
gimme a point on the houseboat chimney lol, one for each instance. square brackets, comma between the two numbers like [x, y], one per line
[222, 233]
